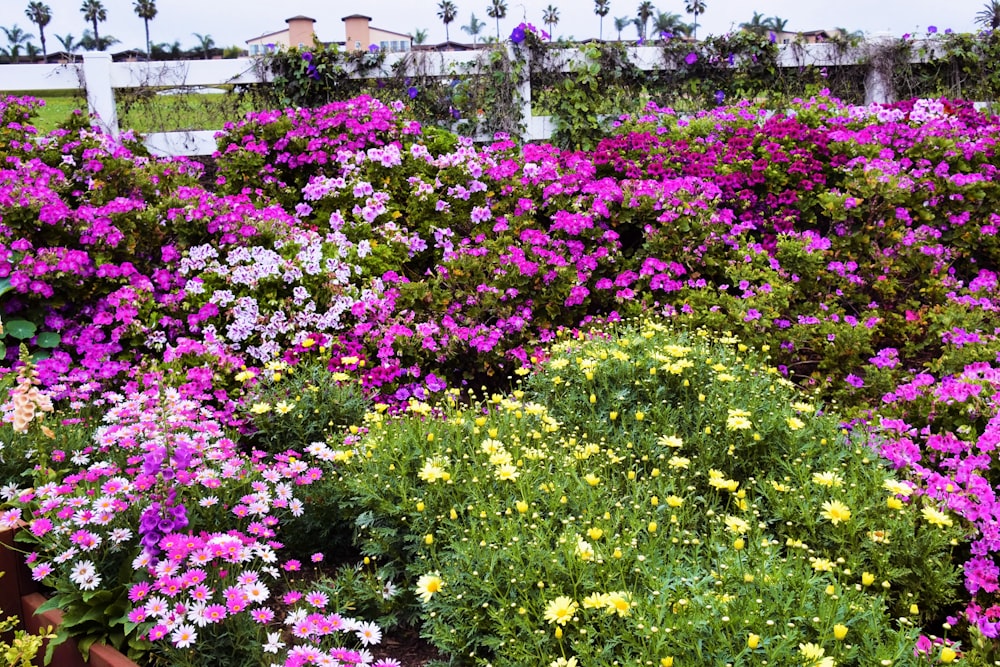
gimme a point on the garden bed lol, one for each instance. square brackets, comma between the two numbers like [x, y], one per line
[20, 596]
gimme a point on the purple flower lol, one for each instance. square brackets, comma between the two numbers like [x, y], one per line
[373, 48]
[517, 35]
[719, 96]
[771, 36]
[412, 92]
[691, 58]
[307, 56]
[906, 36]
[931, 29]
[854, 381]
[666, 35]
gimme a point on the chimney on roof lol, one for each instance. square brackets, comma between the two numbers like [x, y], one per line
[356, 32]
[300, 32]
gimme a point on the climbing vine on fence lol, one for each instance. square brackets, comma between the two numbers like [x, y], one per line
[584, 87]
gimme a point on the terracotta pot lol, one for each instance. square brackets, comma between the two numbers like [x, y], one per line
[19, 596]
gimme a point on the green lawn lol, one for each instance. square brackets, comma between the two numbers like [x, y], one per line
[146, 113]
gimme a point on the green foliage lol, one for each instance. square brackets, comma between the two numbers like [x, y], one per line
[22, 650]
[671, 493]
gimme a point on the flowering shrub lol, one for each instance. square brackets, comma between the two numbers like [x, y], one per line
[646, 496]
[208, 344]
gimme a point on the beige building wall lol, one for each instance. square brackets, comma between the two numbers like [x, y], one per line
[359, 35]
[300, 33]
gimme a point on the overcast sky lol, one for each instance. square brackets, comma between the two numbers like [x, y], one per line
[232, 22]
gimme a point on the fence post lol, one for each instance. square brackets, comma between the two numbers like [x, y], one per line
[524, 90]
[100, 94]
[878, 81]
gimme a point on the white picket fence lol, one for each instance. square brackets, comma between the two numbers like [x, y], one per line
[98, 76]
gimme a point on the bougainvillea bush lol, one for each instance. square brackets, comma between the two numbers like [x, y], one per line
[215, 359]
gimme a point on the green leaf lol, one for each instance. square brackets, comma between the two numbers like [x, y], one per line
[20, 329]
[5, 286]
[48, 339]
[3, 350]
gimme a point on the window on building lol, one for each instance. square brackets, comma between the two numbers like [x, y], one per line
[384, 45]
[254, 49]
[357, 44]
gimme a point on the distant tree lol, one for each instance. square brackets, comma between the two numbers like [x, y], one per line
[40, 14]
[758, 25]
[496, 11]
[420, 36]
[622, 22]
[989, 15]
[16, 40]
[642, 16]
[69, 45]
[550, 17]
[31, 51]
[474, 28]
[164, 51]
[602, 8]
[447, 12]
[146, 10]
[670, 23]
[696, 7]
[777, 24]
[94, 12]
[205, 44]
[90, 43]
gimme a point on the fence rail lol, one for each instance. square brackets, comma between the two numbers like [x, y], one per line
[97, 76]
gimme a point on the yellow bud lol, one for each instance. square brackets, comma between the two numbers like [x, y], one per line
[651, 527]
[839, 631]
[655, 472]
[753, 641]
[559, 633]
[428, 539]
[830, 590]
[593, 398]
[430, 437]
[613, 415]
[914, 609]
[453, 514]
[521, 506]
[617, 553]
[631, 474]
[948, 654]
[667, 662]
[867, 578]
[654, 501]
[739, 543]
[639, 416]
[420, 506]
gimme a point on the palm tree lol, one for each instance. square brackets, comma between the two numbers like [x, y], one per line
[146, 10]
[420, 36]
[16, 38]
[602, 8]
[69, 45]
[447, 11]
[642, 16]
[621, 22]
[40, 14]
[206, 43]
[670, 23]
[94, 11]
[497, 10]
[474, 28]
[776, 23]
[550, 17]
[696, 7]
[989, 16]
[90, 43]
[758, 25]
